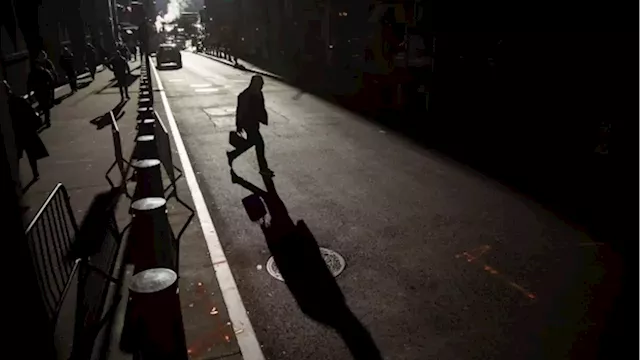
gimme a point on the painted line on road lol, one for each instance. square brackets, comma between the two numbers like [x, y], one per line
[200, 85]
[175, 80]
[247, 340]
[206, 90]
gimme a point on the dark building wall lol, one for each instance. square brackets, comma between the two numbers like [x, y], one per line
[29, 26]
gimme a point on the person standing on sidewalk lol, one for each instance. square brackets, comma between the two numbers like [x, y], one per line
[44, 61]
[66, 63]
[120, 68]
[25, 124]
[41, 83]
[250, 113]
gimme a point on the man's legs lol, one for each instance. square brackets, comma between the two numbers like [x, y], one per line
[256, 139]
[46, 111]
[73, 83]
[122, 84]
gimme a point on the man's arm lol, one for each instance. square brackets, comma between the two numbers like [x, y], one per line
[263, 111]
[240, 109]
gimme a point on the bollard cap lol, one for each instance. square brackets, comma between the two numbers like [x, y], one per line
[152, 280]
[149, 203]
[145, 138]
[145, 163]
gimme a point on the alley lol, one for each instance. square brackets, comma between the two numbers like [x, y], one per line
[441, 262]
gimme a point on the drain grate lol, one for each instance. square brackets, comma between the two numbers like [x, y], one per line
[335, 263]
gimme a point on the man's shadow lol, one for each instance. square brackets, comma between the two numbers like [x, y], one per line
[105, 119]
[298, 257]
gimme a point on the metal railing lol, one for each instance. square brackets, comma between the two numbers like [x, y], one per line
[50, 235]
[65, 254]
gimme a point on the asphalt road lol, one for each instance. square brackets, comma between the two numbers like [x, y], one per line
[442, 263]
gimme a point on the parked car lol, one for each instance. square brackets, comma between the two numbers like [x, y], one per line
[168, 54]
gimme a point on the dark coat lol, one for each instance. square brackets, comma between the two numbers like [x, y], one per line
[41, 82]
[25, 127]
[66, 63]
[251, 110]
[119, 66]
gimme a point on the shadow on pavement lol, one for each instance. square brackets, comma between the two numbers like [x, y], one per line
[29, 185]
[96, 224]
[298, 257]
[105, 119]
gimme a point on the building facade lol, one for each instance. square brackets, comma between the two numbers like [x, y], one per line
[28, 26]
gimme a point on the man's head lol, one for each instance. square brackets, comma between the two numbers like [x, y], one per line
[256, 83]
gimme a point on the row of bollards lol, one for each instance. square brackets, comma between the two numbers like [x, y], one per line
[153, 326]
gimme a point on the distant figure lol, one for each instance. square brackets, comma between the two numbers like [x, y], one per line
[118, 64]
[92, 58]
[43, 59]
[133, 50]
[123, 50]
[41, 83]
[25, 124]
[249, 114]
[66, 63]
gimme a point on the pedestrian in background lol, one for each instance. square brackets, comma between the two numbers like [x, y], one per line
[250, 113]
[66, 63]
[25, 123]
[133, 50]
[120, 68]
[91, 59]
[41, 83]
[46, 63]
[43, 59]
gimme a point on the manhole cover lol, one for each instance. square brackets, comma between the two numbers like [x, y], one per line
[335, 262]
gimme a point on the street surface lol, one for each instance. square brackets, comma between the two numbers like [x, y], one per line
[441, 262]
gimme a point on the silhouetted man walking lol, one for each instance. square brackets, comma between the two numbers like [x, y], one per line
[249, 114]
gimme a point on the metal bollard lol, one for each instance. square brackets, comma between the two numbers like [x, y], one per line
[151, 239]
[146, 126]
[145, 147]
[144, 101]
[148, 178]
[155, 317]
[145, 112]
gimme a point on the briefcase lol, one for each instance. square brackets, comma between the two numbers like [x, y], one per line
[255, 207]
[236, 140]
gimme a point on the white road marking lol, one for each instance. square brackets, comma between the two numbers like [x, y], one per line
[247, 340]
[200, 85]
[175, 80]
[207, 90]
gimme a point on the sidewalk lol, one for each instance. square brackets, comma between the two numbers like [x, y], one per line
[81, 151]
